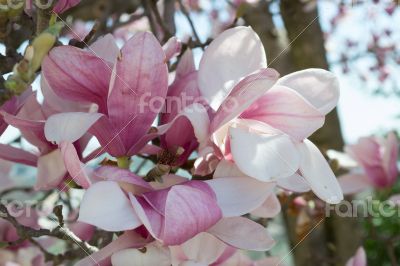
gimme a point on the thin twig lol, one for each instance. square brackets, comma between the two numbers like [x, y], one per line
[187, 15]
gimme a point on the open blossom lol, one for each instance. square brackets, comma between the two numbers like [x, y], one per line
[262, 122]
[377, 158]
[122, 80]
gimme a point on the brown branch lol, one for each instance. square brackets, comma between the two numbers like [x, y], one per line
[159, 20]
[60, 232]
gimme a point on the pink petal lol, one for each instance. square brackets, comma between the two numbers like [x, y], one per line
[129, 239]
[359, 259]
[263, 156]
[269, 209]
[132, 181]
[188, 211]
[111, 213]
[243, 95]
[233, 55]
[186, 65]
[16, 155]
[389, 158]
[319, 175]
[32, 130]
[253, 194]
[155, 255]
[172, 47]
[51, 170]
[318, 86]
[69, 72]
[242, 233]
[109, 139]
[75, 167]
[105, 48]
[69, 126]
[52, 103]
[353, 183]
[138, 87]
[286, 110]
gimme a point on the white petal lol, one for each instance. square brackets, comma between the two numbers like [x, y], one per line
[318, 86]
[242, 233]
[153, 254]
[106, 206]
[203, 248]
[233, 55]
[270, 208]
[317, 172]
[237, 196]
[294, 183]
[69, 126]
[263, 156]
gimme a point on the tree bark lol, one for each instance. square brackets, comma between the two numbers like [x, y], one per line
[301, 21]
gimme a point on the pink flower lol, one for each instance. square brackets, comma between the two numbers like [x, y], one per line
[359, 259]
[262, 122]
[182, 92]
[377, 157]
[120, 82]
[30, 120]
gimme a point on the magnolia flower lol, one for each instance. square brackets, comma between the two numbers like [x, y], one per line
[121, 85]
[262, 122]
[177, 211]
[30, 120]
[377, 158]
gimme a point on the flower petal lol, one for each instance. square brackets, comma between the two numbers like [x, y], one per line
[203, 248]
[172, 47]
[12, 154]
[75, 167]
[294, 183]
[69, 72]
[286, 110]
[318, 86]
[233, 55]
[242, 233]
[317, 172]
[353, 183]
[269, 209]
[253, 194]
[129, 239]
[243, 95]
[105, 48]
[263, 156]
[69, 126]
[188, 211]
[138, 87]
[111, 213]
[51, 170]
[154, 255]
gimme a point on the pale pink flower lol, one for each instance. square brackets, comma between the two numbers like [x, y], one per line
[262, 122]
[377, 158]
